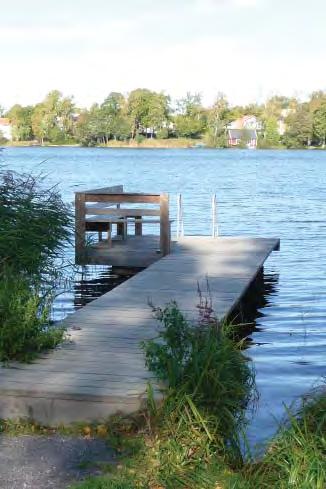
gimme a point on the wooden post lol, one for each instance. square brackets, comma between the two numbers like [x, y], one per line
[164, 225]
[80, 227]
[138, 226]
[121, 229]
[109, 235]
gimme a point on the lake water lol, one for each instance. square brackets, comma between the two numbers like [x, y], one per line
[259, 193]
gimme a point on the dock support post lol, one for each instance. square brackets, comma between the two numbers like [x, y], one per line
[80, 226]
[138, 226]
[164, 225]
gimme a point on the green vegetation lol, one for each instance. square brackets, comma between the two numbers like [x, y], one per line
[25, 327]
[191, 439]
[296, 456]
[144, 115]
[34, 227]
[188, 439]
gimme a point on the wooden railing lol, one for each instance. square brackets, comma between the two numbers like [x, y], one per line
[99, 209]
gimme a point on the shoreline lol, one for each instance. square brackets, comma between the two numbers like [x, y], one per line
[152, 144]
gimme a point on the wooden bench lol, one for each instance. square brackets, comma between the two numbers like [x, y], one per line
[100, 209]
[105, 225]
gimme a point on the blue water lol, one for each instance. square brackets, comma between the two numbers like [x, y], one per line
[259, 193]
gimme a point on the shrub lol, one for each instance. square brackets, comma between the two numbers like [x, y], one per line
[34, 224]
[34, 228]
[187, 438]
[163, 133]
[25, 327]
[204, 369]
[140, 138]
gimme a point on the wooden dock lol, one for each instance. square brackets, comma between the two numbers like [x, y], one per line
[100, 370]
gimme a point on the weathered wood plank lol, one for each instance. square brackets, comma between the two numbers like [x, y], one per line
[125, 198]
[122, 212]
[115, 189]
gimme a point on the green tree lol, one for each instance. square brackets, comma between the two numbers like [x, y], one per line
[147, 109]
[217, 120]
[276, 104]
[21, 121]
[271, 136]
[191, 118]
[319, 125]
[317, 100]
[299, 128]
[40, 123]
[52, 119]
[88, 128]
[115, 122]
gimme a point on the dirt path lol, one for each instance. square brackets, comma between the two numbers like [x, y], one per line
[49, 462]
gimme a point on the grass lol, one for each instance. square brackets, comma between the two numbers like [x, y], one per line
[185, 441]
[170, 457]
[35, 225]
[25, 326]
[191, 440]
[296, 457]
[155, 143]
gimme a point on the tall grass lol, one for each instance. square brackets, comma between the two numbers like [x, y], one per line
[206, 371]
[35, 225]
[190, 440]
[185, 441]
[25, 327]
[296, 457]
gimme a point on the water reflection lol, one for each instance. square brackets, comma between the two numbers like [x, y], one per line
[254, 300]
[88, 283]
[287, 349]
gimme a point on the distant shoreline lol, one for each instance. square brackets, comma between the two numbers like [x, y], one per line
[147, 143]
[181, 143]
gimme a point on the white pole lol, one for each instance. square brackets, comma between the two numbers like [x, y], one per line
[178, 215]
[180, 229]
[214, 217]
[181, 212]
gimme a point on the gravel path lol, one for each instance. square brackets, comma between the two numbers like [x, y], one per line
[49, 462]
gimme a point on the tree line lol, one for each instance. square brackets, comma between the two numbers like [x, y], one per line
[148, 114]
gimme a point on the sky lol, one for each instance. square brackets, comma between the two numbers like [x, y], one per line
[248, 49]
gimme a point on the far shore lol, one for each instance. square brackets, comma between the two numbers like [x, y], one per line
[172, 143]
[146, 143]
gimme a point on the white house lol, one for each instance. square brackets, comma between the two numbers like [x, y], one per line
[6, 128]
[244, 130]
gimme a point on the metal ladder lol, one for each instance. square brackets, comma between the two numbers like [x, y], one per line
[180, 223]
